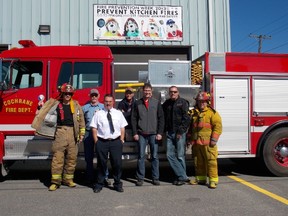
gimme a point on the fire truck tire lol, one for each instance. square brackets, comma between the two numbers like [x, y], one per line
[275, 152]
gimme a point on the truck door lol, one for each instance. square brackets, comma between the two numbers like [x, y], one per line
[232, 102]
[21, 85]
[83, 75]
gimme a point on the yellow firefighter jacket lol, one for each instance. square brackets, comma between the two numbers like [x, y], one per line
[205, 127]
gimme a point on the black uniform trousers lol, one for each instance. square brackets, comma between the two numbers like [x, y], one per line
[114, 148]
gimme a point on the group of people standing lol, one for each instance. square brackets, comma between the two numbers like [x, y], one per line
[102, 127]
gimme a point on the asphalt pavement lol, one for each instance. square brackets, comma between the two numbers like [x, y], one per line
[25, 192]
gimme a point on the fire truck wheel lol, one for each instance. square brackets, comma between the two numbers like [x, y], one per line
[275, 152]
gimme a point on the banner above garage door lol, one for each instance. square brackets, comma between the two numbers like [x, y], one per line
[137, 22]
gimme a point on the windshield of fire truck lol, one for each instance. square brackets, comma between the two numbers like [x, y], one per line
[4, 73]
[20, 74]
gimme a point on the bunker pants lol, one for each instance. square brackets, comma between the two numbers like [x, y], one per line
[205, 162]
[65, 152]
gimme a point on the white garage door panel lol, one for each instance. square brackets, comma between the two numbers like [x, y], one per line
[232, 102]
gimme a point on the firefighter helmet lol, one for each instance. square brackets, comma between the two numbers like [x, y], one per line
[203, 96]
[67, 88]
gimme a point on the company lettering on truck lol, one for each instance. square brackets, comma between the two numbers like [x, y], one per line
[10, 108]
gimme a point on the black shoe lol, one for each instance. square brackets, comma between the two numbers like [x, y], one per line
[119, 189]
[175, 182]
[97, 190]
[156, 182]
[107, 182]
[139, 182]
[179, 183]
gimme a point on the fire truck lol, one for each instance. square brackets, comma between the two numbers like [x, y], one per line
[249, 91]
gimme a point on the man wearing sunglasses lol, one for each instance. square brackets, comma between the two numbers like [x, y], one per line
[89, 110]
[177, 122]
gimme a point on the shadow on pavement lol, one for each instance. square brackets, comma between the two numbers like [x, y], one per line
[31, 170]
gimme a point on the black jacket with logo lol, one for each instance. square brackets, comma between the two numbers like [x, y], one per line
[176, 115]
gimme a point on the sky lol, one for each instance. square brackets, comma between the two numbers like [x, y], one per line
[266, 18]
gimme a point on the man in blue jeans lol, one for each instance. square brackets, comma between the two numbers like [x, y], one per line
[177, 122]
[147, 121]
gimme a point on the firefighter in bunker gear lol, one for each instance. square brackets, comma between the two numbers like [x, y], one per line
[205, 130]
[70, 129]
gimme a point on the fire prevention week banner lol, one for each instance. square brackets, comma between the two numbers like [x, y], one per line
[137, 22]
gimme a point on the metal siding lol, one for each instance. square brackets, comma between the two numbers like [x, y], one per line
[35, 19]
[84, 33]
[55, 24]
[72, 23]
[45, 19]
[220, 33]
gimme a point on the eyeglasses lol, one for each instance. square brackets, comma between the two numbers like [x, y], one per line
[68, 93]
[173, 92]
[94, 95]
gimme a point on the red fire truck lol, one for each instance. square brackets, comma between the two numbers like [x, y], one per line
[248, 90]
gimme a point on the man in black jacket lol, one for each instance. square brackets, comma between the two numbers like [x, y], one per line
[147, 127]
[126, 105]
[177, 123]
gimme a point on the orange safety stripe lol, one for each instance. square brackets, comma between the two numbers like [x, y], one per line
[201, 142]
[202, 125]
[215, 136]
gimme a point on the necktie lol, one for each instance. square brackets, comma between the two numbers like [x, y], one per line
[110, 122]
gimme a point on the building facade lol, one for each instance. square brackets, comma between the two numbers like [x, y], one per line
[166, 29]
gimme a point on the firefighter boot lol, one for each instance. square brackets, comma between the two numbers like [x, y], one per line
[69, 183]
[212, 185]
[53, 187]
[197, 182]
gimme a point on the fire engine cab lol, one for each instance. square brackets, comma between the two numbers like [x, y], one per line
[249, 90]
[26, 73]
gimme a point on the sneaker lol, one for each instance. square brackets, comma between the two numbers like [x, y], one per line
[155, 182]
[212, 185]
[175, 182]
[139, 182]
[197, 182]
[180, 182]
[187, 180]
[53, 187]
[70, 183]
[107, 182]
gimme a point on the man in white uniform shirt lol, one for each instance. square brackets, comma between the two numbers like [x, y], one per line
[108, 127]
